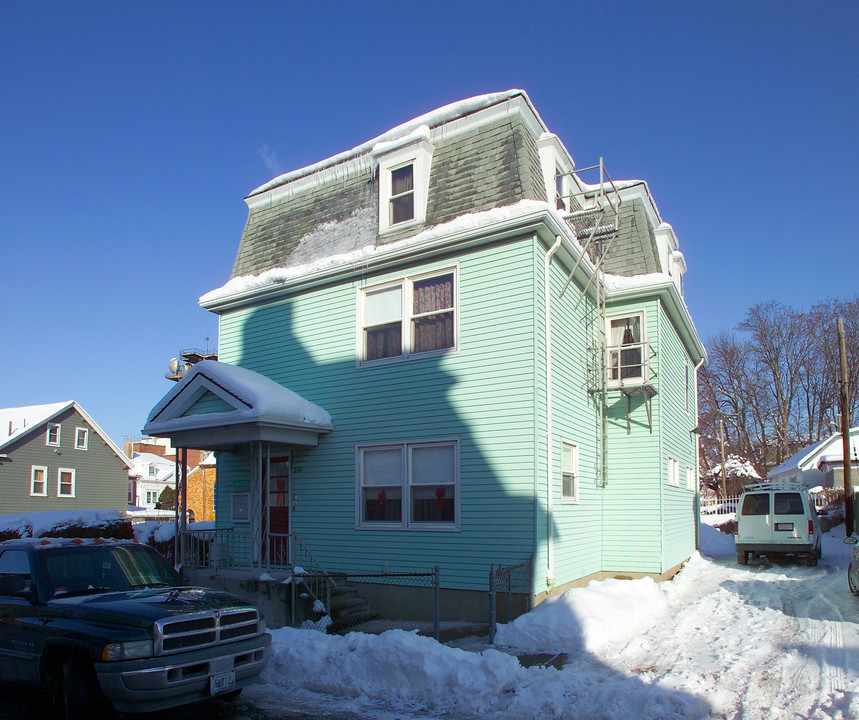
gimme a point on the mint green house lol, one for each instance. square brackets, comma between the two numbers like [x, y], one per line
[451, 346]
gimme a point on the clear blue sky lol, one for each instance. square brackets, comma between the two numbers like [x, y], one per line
[130, 132]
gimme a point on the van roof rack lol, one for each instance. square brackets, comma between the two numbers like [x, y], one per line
[777, 485]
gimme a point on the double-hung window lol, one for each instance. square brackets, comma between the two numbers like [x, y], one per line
[81, 438]
[415, 315]
[408, 485]
[402, 194]
[569, 472]
[38, 480]
[626, 350]
[690, 478]
[65, 482]
[673, 472]
[53, 435]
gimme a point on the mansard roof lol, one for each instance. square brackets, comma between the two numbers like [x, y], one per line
[485, 156]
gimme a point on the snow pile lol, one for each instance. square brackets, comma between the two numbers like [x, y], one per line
[153, 531]
[718, 641]
[48, 520]
[586, 618]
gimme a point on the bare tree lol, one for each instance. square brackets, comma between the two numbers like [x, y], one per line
[773, 382]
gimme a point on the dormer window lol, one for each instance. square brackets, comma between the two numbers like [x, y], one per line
[403, 194]
[404, 170]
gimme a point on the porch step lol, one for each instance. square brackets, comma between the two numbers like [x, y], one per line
[348, 609]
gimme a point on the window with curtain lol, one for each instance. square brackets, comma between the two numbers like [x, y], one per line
[417, 315]
[65, 483]
[625, 348]
[403, 194]
[408, 485]
[432, 313]
[38, 480]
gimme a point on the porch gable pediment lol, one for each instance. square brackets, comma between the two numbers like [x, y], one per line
[217, 405]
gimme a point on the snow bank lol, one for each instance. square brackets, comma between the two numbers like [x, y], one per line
[46, 520]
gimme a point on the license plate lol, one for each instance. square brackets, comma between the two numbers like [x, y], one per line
[784, 526]
[222, 682]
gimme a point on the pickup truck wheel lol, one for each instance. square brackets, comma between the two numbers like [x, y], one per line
[743, 557]
[80, 691]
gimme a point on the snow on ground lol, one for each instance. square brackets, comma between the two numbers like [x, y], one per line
[770, 640]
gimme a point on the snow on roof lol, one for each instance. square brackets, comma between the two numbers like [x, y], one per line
[14, 422]
[389, 139]
[807, 456]
[263, 400]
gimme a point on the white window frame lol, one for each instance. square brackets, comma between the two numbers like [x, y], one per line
[690, 478]
[60, 493]
[59, 429]
[33, 469]
[572, 471]
[620, 381]
[81, 445]
[673, 471]
[417, 152]
[407, 317]
[406, 522]
[240, 517]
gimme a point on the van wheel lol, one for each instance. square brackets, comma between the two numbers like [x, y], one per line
[811, 558]
[819, 551]
[743, 557]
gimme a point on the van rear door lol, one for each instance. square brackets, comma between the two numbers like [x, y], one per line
[754, 521]
[790, 522]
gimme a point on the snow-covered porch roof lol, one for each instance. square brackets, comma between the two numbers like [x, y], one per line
[217, 406]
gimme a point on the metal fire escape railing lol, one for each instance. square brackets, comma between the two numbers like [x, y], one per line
[593, 214]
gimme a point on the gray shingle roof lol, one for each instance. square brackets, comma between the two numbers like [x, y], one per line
[491, 166]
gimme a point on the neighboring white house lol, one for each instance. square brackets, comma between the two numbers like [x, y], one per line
[820, 464]
[151, 474]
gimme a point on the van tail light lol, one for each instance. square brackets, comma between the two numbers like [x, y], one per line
[810, 527]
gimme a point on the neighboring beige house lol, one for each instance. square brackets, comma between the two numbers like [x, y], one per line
[820, 464]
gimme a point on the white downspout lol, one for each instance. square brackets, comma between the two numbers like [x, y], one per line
[547, 305]
[697, 508]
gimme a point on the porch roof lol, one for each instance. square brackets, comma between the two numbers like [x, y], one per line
[218, 406]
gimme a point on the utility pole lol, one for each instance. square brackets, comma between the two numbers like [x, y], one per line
[845, 431]
[724, 470]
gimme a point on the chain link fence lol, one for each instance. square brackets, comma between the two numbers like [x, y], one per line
[510, 593]
[370, 602]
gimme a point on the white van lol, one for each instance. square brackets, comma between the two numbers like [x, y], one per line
[776, 519]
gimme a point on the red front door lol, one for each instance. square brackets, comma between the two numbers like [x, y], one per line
[278, 509]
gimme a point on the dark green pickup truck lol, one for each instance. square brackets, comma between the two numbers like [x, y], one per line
[107, 620]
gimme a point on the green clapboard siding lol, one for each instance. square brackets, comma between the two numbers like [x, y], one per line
[490, 395]
[209, 403]
[481, 395]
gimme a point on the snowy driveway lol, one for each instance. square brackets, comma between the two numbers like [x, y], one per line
[767, 641]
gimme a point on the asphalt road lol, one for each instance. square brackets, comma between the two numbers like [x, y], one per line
[18, 703]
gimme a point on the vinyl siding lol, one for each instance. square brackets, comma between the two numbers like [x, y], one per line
[678, 503]
[209, 403]
[632, 523]
[480, 394]
[101, 478]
